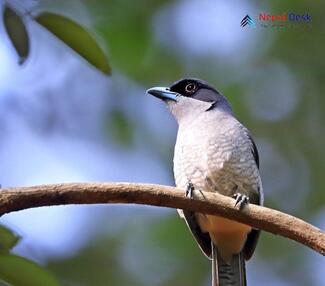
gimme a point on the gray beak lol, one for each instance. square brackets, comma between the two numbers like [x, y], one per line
[163, 93]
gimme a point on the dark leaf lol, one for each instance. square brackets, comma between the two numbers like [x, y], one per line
[77, 38]
[17, 32]
[8, 239]
[19, 271]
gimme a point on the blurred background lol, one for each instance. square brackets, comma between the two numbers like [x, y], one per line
[61, 120]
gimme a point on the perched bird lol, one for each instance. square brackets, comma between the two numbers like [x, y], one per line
[214, 152]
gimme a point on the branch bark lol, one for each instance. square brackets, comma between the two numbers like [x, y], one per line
[263, 218]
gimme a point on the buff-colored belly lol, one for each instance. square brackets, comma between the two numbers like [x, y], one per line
[229, 236]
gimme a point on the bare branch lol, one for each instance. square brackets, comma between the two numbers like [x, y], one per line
[270, 220]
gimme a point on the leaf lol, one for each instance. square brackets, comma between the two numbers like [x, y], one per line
[19, 271]
[17, 32]
[8, 239]
[76, 37]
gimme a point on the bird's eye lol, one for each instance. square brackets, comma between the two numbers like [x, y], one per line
[190, 88]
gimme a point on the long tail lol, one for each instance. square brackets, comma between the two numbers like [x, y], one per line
[224, 274]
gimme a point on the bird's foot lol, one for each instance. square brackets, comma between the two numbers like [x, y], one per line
[241, 200]
[189, 190]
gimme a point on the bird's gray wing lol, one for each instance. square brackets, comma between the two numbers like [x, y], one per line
[253, 236]
[202, 239]
[254, 151]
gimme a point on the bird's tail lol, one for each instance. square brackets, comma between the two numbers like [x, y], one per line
[224, 274]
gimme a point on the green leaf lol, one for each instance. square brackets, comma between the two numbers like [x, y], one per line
[19, 271]
[17, 32]
[8, 239]
[77, 38]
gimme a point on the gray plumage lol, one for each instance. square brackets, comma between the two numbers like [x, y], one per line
[215, 153]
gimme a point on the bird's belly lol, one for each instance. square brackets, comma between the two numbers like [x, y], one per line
[220, 225]
[229, 236]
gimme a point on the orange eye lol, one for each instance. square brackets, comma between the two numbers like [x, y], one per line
[190, 88]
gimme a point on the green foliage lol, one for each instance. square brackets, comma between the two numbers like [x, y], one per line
[72, 34]
[19, 271]
[8, 239]
[17, 32]
[97, 264]
[76, 37]
[127, 27]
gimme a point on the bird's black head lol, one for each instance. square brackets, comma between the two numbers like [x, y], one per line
[190, 96]
[196, 89]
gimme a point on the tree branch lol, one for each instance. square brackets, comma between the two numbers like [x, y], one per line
[270, 220]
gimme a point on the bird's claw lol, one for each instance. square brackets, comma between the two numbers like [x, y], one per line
[241, 200]
[189, 190]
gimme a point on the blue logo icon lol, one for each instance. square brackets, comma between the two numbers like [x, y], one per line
[247, 20]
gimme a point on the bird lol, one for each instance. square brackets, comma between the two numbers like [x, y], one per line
[214, 152]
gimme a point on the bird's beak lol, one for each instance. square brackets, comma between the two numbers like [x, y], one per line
[163, 93]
